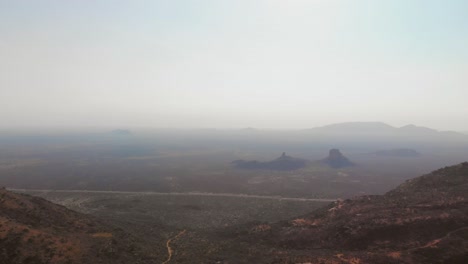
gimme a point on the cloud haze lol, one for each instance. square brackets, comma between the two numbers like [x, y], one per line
[271, 64]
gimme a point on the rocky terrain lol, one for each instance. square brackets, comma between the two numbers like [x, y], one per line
[424, 220]
[33, 230]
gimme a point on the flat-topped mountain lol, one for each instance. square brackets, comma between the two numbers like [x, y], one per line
[424, 220]
[284, 162]
[33, 230]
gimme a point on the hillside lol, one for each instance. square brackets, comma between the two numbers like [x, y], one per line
[33, 230]
[424, 220]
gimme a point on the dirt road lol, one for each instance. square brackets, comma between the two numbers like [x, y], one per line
[170, 251]
[184, 194]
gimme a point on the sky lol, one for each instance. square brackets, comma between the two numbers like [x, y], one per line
[284, 64]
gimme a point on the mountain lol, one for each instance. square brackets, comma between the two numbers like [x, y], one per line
[33, 230]
[356, 127]
[283, 163]
[417, 129]
[336, 159]
[382, 129]
[424, 220]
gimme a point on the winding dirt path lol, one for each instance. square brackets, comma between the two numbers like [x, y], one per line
[170, 251]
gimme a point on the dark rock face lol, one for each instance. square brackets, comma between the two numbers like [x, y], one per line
[337, 160]
[283, 163]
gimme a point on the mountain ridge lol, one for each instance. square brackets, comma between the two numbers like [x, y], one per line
[423, 220]
[380, 127]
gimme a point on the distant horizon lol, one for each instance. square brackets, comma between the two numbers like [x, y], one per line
[143, 127]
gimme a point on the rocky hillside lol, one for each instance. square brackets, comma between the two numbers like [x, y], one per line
[424, 220]
[33, 230]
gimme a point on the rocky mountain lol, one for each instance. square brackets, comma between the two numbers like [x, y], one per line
[424, 220]
[283, 163]
[336, 159]
[33, 230]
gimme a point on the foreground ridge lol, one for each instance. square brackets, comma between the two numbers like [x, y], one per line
[33, 230]
[424, 220]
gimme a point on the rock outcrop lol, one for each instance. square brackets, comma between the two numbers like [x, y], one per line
[336, 159]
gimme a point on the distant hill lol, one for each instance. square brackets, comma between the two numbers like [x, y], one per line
[33, 230]
[356, 127]
[401, 152]
[283, 163]
[379, 128]
[424, 220]
[417, 129]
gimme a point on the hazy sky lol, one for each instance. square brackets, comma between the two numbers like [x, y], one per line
[237, 63]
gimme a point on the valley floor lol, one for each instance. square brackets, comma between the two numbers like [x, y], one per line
[201, 218]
